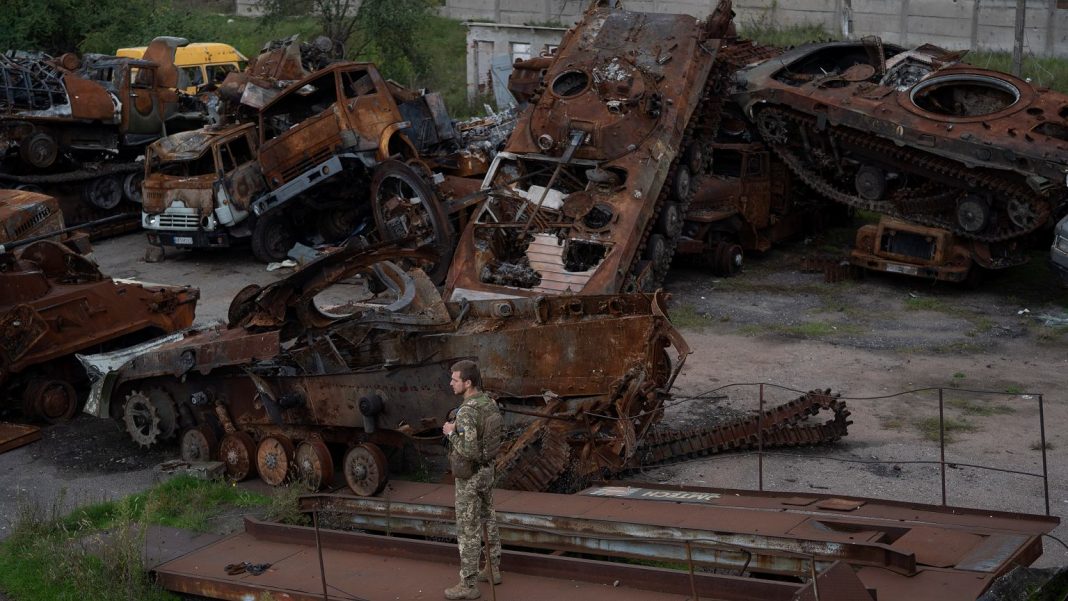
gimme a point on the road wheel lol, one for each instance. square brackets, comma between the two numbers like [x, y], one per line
[315, 466]
[51, 400]
[272, 238]
[366, 469]
[669, 222]
[198, 444]
[274, 459]
[39, 150]
[238, 454]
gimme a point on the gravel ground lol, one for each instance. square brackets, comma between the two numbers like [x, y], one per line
[773, 324]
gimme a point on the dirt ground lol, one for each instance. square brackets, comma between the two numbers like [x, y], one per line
[867, 340]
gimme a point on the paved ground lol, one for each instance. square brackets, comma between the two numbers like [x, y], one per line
[773, 324]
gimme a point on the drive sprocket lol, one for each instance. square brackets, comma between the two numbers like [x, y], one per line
[141, 418]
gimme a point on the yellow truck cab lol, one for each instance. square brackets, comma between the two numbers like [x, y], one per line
[199, 63]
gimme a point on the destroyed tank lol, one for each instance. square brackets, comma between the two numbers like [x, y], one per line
[74, 126]
[55, 302]
[917, 135]
[589, 193]
[290, 386]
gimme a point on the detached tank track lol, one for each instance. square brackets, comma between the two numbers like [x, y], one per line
[779, 426]
[541, 454]
[706, 115]
[907, 207]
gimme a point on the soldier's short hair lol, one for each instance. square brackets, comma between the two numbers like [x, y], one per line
[468, 371]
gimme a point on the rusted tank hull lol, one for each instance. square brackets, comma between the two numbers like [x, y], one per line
[54, 303]
[378, 373]
[574, 200]
[915, 135]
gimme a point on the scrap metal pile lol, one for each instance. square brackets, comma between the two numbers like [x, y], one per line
[290, 386]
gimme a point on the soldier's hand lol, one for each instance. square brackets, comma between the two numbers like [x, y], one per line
[448, 428]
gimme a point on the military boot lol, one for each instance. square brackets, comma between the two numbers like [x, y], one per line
[463, 590]
[484, 575]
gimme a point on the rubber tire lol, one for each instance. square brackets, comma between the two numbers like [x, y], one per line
[266, 249]
[444, 238]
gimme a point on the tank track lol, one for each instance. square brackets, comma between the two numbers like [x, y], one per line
[916, 206]
[780, 427]
[706, 116]
[541, 457]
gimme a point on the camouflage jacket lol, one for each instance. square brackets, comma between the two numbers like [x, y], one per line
[469, 417]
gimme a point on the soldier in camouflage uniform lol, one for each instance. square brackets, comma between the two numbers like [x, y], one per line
[473, 436]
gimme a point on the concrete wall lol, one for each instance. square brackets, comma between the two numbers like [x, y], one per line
[487, 40]
[954, 24]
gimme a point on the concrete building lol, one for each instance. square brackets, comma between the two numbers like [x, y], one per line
[953, 24]
[493, 47]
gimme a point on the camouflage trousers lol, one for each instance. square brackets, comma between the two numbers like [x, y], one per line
[474, 506]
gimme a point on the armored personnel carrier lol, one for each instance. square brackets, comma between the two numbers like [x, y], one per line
[291, 385]
[916, 135]
[55, 302]
[589, 193]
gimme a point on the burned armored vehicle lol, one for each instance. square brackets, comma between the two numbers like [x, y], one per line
[74, 126]
[294, 386]
[918, 136]
[55, 302]
[589, 192]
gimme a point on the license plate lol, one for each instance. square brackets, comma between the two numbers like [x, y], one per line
[902, 269]
[183, 240]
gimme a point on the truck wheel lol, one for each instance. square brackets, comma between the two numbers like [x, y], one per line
[104, 192]
[39, 150]
[131, 186]
[272, 237]
[405, 206]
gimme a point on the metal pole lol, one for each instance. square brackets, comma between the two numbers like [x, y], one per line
[1042, 434]
[689, 563]
[1017, 49]
[942, 442]
[815, 582]
[319, 550]
[760, 442]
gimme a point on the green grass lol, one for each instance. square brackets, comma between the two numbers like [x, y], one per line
[928, 428]
[95, 551]
[925, 303]
[1044, 72]
[810, 329]
[685, 317]
[181, 502]
[762, 31]
[980, 408]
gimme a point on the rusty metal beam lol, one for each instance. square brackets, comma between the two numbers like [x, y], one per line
[616, 538]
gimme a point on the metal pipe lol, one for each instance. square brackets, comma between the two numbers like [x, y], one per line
[319, 550]
[1042, 434]
[815, 581]
[760, 442]
[942, 443]
[689, 563]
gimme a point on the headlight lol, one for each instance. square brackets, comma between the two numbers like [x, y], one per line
[1062, 244]
[152, 220]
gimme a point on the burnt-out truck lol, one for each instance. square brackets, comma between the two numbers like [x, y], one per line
[340, 151]
[74, 127]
